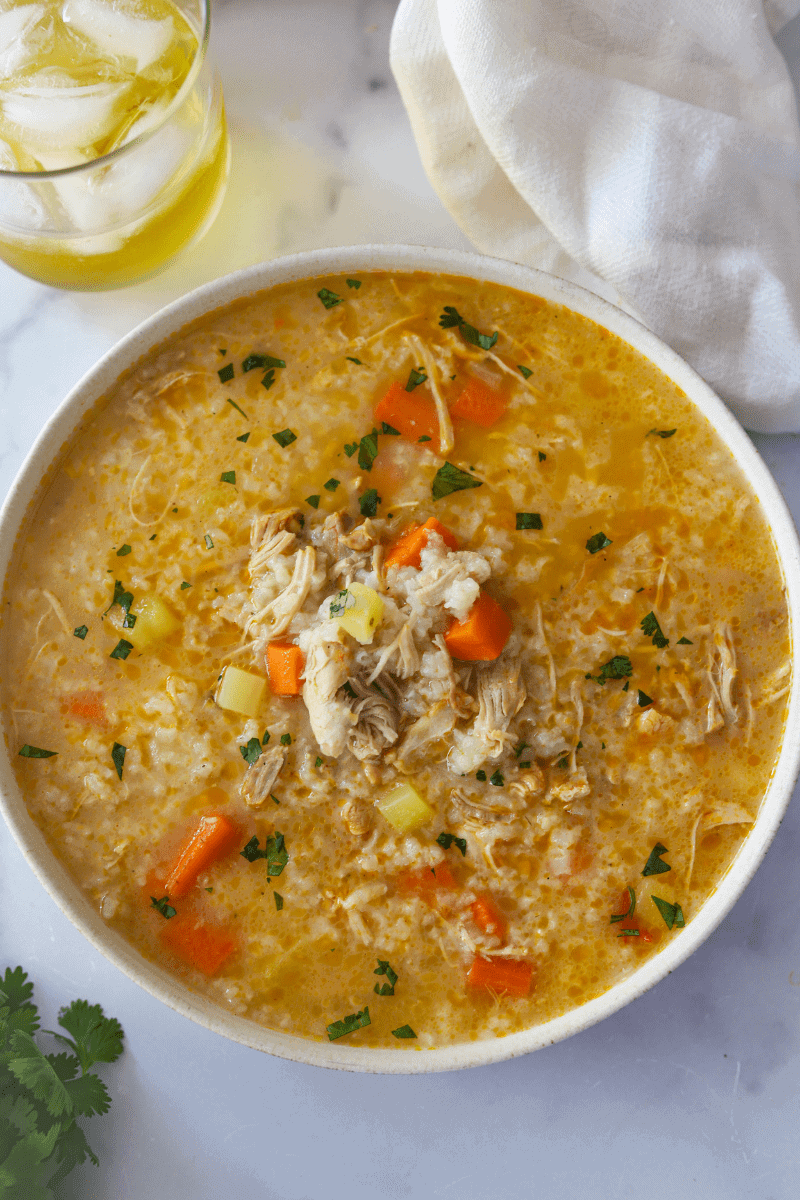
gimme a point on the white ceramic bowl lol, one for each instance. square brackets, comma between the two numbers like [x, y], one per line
[352, 260]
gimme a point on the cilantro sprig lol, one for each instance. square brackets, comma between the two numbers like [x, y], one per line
[651, 628]
[274, 852]
[616, 668]
[383, 968]
[452, 319]
[349, 1024]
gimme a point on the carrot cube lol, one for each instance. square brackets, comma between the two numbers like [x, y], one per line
[202, 946]
[407, 550]
[480, 404]
[411, 415]
[483, 633]
[211, 839]
[285, 665]
[488, 917]
[504, 976]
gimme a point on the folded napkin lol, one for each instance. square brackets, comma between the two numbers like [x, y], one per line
[646, 149]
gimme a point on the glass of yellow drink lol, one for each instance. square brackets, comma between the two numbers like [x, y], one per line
[113, 148]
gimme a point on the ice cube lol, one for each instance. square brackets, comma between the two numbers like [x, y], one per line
[53, 117]
[16, 26]
[118, 35]
[21, 207]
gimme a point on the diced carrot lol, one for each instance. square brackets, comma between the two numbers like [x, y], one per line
[210, 840]
[412, 415]
[483, 633]
[406, 551]
[479, 403]
[89, 707]
[428, 882]
[285, 665]
[505, 976]
[488, 917]
[203, 946]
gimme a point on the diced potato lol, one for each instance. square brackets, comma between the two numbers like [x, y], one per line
[404, 808]
[153, 622]
[359, 611]
[240, 691]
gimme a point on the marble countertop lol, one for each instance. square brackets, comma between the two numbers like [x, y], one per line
[692, 1091]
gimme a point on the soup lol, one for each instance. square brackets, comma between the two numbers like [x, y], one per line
[399, 658]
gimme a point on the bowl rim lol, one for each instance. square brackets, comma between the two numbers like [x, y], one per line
[63, 425]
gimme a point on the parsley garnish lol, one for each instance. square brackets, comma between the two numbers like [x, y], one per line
[252, 752]
[123, 551]
[261, 360]
[684, 641]
[341, 602]
[350, 448]
[278, 900]
[184, 586]
[631, 908]
[121, 650]
[274, 852]
[446, 840]
[452, 479]
[368, 450]
[520, 747]
[329, 298]
[529, 521]
[497, 779]
[357, 361]
[651, 628]
[526, 372]
[654, 865]
[228, 477]
[353, 283]
[598, 541]
[284, 438]
[236, 406]
[268, 380]
[644, 699]
[390, 430]
[226, 373]
[628, 933]
[286, 739]
[124, 600]
[672, 913]
[313, 500]
[524, 766]
[243, 437]
[424, 438]
[80, 632]
[163, 906]
[274, 798]
[451, 319]
[662, 433]
[331, 485]
[480, 776]
[542, 456]
[383, 968]
[368, 503]
[405, 1031]
[318, 763]
[349, 1024]
[626, 685]
[118, 753]
[616, 668]
[36, 752]
[415, 379]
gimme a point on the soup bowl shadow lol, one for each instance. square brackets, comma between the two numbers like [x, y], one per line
[52, 444]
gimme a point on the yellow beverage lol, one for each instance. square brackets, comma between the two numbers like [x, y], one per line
[113, 147]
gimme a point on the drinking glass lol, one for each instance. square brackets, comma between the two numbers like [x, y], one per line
[102, 220]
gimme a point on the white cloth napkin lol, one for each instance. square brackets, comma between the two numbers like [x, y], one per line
[646, 149]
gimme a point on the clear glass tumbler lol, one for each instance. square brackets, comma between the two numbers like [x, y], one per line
[114, 152]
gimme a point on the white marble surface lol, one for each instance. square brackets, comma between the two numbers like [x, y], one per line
[690, 1092]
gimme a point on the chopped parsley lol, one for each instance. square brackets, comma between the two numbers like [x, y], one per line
[252, 751]
[684, 641]
[389, 429]
[184, 586]
[263, 361]
[163, 906]
[121, 650]
[243, 437]
[349, 690]
[319, 762]
[268, 380]
[452, 479]
[350, 448]
[631, 908]
[284, 438]
[118, 753]
[341, 602]
[446, 840]
[357, 361]
[654, 865]
[368, 450]
[226, 373]
[124, 600]
[123, 551]
[405, 1031]
[529, 521]
[353, 283]
[329, 298]
[563, 763]
[80, 631]
[525, 372]
[228, 477]
[628, 933]
[331, 485]
[452, 319]
[480, 776]
[209, 541]
[349, 1024]
[278, 900]
[383, 968]
[497, 779]
[36, 752]
[274, 852]
[236, 406]
[415, 379]
[525, 766]
[542, 456]
[313, 500]
[598, 541]
[672, 913]
[644, 699]
[616, 668]
[627, 685]
[424, 438]
[520, 747]
[274, 798]
[662, 433]
[368, 503]
[286, 739]
[651, 628]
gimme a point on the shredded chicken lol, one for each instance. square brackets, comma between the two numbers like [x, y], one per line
[501, 694]
[652, 722]
[725, 812]
[269, 536]
[279, 612]
[485, 809]
[576, 787]
[529, 784]
[357, 816]
[722, 672]
[420, 739]
[260, 778]
[442, 411]
[462, 703]
[377, 722]
[326, 671]
[405, 647]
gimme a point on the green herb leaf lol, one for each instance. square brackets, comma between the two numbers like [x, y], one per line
[278, 900]
[236, 406]
[349, 1024]
[383, 968]
[329, 298]
[368, 450]
[526, 372]
[480, 776]
[226, 373]
[268, 380]
[243, 437]
[123, 551]
[118, 753]
[662, 433]
[318, 763]
[563, 763]
[644, 699]
[80, 632]
[672, 913]
[450, 478]
[353, 283]
[341, 602]
[415, 379]
[123, 599]
[405, 1031]
[628, 933]
[286, 739]
[520, 747]
[228, 477]
[332, 484]
[654, 865]
[313, 500]
[424, 438]
[121, 650]
[261, 360]
[163, 906]
[350, 448]
[185, 585]
[684, 641]
[529, 521]
[651, 628]
[616, 668]
[209, 542]
[631, 908]
[389, 429]
[542, 456]
[274, 852]
[357, 361]
[497, 779]
[368, 503]
[598, 541]
[451, 319]
[274, 798]
[626, 685]
[252, 752]
[284, 438]
[446, 840]
[36, 752]
[95, 1037]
